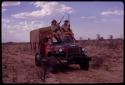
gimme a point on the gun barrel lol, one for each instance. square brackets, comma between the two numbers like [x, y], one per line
[61, 19]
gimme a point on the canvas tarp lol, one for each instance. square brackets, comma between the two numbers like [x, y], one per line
[38, 36]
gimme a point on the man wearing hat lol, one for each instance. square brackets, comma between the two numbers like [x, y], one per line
[65, 28]
[56, 30]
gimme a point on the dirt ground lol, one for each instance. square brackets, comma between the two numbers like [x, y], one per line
[18, 66]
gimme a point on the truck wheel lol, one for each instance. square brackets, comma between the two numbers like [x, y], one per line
[84, 65]
[37, 59]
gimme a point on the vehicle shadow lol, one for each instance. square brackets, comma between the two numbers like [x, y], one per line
[66, 68]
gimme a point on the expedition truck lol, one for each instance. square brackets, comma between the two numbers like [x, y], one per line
[49, 53]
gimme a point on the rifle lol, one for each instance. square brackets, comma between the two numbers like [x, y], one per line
[61, 19]
[59, 23]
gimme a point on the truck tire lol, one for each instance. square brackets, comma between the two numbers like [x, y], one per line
[37, 59]
[84, 65]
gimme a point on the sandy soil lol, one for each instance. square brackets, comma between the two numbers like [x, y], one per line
[18, 66]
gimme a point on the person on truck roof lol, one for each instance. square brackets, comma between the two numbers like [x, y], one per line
[56, 30]
[65, 28]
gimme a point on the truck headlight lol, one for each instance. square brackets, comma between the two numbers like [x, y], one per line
[83, 49]
[60, 49]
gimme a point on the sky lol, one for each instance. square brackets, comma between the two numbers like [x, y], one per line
[87, 19]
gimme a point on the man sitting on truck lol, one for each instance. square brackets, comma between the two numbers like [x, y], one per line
[65, 28]
[56, 30]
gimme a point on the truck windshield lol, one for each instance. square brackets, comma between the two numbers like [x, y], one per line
[67, 39]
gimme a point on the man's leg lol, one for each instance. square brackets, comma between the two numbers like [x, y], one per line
[56, 38]
[59, 37]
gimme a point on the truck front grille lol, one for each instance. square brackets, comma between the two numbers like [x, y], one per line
[74, 51]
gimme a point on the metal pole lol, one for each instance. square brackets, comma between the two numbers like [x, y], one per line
[69, 18]
[70, 28]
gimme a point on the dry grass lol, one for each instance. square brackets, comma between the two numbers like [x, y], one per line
[18, 64]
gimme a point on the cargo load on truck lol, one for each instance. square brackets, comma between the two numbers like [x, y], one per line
[38, 36]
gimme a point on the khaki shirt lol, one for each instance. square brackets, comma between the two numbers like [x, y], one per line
[55, 28]
[65, 27]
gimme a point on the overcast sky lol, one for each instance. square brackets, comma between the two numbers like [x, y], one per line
[87, 18]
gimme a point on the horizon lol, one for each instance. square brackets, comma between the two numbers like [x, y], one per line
[77, 40]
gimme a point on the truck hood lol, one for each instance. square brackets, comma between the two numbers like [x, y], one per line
[65, 46]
